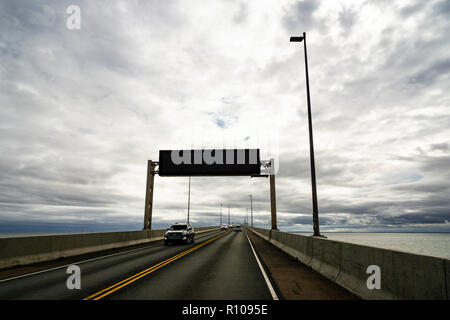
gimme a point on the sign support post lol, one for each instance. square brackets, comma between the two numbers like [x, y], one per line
[273, 200]
[149, 194]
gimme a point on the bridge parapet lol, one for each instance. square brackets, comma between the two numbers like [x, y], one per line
[27, 250]
[403, 275]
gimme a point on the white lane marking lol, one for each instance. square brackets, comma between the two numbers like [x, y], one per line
[83, 261]
[271, 289]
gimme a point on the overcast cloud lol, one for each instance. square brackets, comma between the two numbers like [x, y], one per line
[81, 111]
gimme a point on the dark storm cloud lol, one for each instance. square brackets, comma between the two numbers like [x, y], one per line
[432, 208]
[372, 221]
[330, 169]
[66, 109]
[22, 15]
[347, 19]
[440, 146]
[437, 187]
[442, 8]
[300, 16]
[431, 73]
[241, 13]
[436, 164]
[412, 9]
[377, 213]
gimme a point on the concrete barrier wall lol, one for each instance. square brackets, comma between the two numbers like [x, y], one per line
[27, 250]
[403, 275]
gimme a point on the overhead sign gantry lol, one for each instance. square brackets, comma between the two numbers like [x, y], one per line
[208, 162]
[213, 162]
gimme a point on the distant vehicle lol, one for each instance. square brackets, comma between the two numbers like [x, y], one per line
[223, 227]
[237, 228]
[179, 232]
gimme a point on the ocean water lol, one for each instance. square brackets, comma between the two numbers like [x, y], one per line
[430, 244]
[26, 234]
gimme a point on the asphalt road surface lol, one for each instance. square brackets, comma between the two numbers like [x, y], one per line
[219, 265]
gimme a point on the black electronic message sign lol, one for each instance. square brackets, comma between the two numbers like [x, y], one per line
[213, 162]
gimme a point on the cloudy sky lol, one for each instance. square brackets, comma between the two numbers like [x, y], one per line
[81, 111]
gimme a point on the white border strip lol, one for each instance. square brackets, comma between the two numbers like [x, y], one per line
[266, 278]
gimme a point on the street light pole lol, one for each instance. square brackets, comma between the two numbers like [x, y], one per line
[220, 215]
[251, 208]
[311, 144]
[189, 199]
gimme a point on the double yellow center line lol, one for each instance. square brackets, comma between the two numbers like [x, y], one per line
[127, 281]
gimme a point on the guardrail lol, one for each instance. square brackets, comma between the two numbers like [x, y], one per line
[403, 275]
[27, 250]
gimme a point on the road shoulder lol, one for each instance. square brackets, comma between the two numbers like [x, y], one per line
[294, 280]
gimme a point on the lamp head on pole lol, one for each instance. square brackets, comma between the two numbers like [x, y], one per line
[296, 39]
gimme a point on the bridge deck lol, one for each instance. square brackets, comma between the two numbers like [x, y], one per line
[219, 265]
